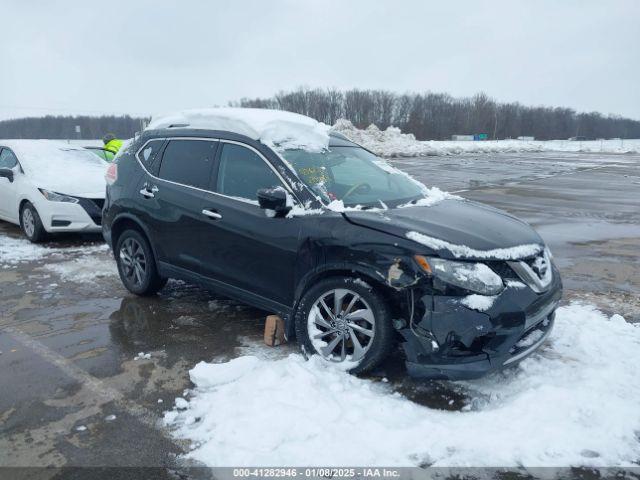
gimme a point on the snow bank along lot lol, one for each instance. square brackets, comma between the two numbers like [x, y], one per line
[548, 411]
[393, 143]
[18, 250]
[83, 266]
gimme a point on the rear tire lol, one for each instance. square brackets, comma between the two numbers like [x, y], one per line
[361, 332]
[136, 264]
[31, 224]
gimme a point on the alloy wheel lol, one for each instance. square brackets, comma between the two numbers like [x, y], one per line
[28, 222]
[341, 326]
[134, 262]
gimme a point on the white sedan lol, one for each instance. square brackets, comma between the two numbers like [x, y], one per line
[50, 186]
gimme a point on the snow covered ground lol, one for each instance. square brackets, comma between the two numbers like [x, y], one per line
[86, 268]
[80, 263]
[18, 250]
[548, 411]
[393, 143]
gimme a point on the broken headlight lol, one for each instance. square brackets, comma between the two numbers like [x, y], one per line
[475, 277]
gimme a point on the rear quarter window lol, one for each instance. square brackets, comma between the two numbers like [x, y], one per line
[149, 155]
[7, 158]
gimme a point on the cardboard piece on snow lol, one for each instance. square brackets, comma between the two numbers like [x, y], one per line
[274, 331]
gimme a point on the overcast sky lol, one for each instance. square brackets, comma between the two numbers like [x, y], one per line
[145, 57]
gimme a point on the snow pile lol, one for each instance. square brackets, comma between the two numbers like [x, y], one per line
[387, 143]
[86, 268]
[463, 251]
[393, 143]
[61, 167]
[275, 128]
[19, 250]
[574, 402]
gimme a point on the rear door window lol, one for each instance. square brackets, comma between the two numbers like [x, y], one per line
[7, 159]
[188, 162]
[242, 173]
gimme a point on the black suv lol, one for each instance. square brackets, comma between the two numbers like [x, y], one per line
[355, 255]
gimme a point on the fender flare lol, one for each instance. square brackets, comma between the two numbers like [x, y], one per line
[337, 268]
[127, 216]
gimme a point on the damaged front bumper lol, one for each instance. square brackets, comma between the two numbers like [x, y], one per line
[455, 342]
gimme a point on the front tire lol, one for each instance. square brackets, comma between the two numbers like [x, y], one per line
[344, 320]
[136, 264]
[31, 224]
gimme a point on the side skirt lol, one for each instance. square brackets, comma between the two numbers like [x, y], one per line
[171, 271]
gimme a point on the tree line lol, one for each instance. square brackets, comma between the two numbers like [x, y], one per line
[64, 127]
[429, 116]
[438, 116]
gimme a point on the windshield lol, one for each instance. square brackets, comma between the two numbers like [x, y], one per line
[353, 175]
[106, 155]
[82, 155]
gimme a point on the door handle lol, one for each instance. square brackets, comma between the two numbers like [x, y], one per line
[148, 192]
[211, 214]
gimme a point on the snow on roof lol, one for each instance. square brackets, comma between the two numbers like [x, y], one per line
[275, 128]
[60, 166]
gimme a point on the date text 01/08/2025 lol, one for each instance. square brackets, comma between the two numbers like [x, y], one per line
[327, 472]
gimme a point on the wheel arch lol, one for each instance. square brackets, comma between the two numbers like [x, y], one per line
[371, 276]
[125, 222]
[22, 201]
[21, 205]
[29, 196]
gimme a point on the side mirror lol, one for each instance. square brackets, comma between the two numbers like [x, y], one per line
[274, 199]
[7, 173]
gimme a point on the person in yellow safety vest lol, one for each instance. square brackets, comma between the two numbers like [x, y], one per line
[111, 143]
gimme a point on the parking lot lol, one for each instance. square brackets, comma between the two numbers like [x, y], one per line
[89, 369]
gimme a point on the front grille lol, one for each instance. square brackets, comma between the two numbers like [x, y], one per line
[536, 272]
[93, 207]
[503, 269]
[99, 202]
[532, 261]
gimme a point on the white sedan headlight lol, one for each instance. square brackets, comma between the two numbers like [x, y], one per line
[57, 197]
[475, 277]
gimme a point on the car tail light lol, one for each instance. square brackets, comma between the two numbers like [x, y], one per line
[112, 174]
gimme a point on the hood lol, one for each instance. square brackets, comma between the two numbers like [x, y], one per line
[477, 228]
[61, 167]
[89, 183]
